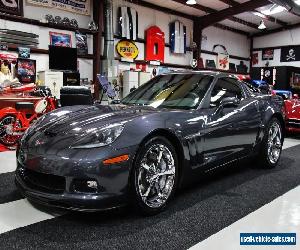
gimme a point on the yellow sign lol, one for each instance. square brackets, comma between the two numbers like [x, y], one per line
[127, 49]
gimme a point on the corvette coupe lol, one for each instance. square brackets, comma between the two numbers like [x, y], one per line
[162, 136]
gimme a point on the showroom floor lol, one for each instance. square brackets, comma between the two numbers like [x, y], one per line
[210, 215]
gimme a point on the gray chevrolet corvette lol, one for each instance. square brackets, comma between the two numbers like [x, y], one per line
[162, 136]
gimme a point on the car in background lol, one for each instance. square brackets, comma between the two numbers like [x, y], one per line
[164, 135]
[292, 109]
[258, 85]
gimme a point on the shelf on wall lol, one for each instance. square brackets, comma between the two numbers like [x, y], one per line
[45, 51]
[47, 25]
[186, 67]
[230, 56]
[224, 71]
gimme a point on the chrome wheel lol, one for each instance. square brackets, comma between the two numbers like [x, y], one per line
[274, 142]
[7, 136]
[156, 176]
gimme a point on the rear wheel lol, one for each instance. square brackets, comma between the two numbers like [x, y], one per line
[155, 176]
[272, 144]
[7, 136]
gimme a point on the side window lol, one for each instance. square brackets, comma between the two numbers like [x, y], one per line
[225, 87]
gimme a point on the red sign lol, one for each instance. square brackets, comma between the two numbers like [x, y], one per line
[141, 66]
[155, 44]
[254, 58]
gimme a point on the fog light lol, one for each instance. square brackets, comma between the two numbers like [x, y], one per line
[85, 186]
[92, 184]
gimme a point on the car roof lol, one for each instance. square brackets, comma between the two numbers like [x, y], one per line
[205, 72]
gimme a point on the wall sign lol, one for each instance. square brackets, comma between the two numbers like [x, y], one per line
[178, 37]
[127, 49]
[155, 44]
[290, 54]
[60, 39]
[128, 23]
[254, 59]
[14, 7]
[223, 61]
[3, 46]
[141, 67]
[82, 7]
[267, 54]
[81, 43]
[24, 52]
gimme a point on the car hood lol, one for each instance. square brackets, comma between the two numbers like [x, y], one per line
[292, 108]
[79, 119]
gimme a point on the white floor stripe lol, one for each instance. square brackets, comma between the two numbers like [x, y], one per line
[282, 215]
[289, 142]
[20, 213]
[7, 162]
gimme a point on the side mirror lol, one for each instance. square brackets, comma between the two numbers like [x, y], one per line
[229, 102]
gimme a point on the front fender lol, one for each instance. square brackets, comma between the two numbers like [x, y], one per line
[272, 107]
[7, 111]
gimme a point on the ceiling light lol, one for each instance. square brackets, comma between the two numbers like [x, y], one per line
[191, 2]
[262, 25]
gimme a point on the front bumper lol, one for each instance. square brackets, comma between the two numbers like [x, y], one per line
[75, 202]
[47, 180]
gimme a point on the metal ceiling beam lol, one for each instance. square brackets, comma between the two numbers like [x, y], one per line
[181, 14]
[225, 27]
[267, 17]
[162, 9]
[210, 19]
[209, 10]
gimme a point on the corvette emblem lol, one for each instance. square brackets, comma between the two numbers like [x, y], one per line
[39, 142]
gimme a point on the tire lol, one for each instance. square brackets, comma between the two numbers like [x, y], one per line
[153, 183]
[5, 138]
[271, 148]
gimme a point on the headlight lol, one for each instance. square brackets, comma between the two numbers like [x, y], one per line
[99, 138]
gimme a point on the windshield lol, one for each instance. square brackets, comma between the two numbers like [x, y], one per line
[181, 91]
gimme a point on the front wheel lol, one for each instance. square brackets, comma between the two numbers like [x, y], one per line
[272, 144]
[7, 126]
[155, 176]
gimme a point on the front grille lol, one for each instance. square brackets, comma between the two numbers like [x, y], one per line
[43, 182]
[293, 123]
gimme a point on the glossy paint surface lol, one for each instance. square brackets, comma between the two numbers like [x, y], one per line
[292, 107]
[205, 138]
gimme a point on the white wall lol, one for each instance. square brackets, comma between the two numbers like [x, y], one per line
[283, 38]
[236, 44]
[148, 18]
[33, 12]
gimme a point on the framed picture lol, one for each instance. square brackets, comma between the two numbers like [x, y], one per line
[26, 70]
[24, 52]
[267, 54]
[81, 43]
[60, 39]
[12, 7]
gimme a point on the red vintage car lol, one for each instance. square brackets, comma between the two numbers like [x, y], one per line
[20, 106]
[292, 110]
